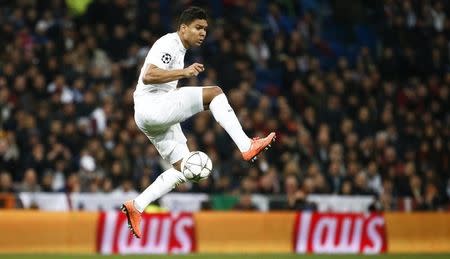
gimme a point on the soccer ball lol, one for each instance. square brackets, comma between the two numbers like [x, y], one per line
[196, 166]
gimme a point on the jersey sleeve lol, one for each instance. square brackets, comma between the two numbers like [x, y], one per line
[160, 55]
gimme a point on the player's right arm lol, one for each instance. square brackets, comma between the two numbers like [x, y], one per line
[159, 64]
[155, 75]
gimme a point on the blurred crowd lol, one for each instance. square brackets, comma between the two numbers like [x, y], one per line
[375, 121]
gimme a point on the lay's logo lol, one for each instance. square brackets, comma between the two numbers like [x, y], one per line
[339, 233]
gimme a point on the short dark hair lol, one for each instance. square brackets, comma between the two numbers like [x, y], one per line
[191, 14]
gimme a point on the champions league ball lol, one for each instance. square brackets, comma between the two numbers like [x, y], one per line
[196, 166]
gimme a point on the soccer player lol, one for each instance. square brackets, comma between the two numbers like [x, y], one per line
[160, 107]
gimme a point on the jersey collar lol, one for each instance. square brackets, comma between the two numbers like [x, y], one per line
[180, 43]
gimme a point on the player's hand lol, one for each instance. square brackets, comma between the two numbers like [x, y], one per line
[194, 69]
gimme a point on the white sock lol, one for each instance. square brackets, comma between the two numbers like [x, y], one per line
[162, 185]
[225, 116]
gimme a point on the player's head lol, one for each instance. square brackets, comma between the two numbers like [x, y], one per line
[192, 25]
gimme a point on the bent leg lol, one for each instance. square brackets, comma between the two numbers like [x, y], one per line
[225, 116]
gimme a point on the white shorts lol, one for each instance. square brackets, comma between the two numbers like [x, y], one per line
[158, 115]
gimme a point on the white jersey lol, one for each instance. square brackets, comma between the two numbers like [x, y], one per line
[158, 110]
[167, 53]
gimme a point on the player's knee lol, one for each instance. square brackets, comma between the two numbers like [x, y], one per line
[209, 93]
[216, 90]
[177, 165]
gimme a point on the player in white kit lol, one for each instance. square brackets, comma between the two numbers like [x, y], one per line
[160, 107]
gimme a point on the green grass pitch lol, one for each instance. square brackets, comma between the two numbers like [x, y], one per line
[226, 256]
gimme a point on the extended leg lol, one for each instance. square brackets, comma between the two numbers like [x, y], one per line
[171, 146]
[162, 185]
[215, 99]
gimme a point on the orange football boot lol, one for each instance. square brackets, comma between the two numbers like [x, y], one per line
[257, 146]
[133, 216]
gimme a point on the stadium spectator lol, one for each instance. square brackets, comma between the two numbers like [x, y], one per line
[6, 183]
[245, 203]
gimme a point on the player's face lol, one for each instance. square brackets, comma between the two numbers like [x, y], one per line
[195, 32]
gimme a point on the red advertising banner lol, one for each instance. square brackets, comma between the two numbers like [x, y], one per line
[163, 233]
[339, 233]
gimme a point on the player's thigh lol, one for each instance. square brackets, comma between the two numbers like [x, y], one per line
[156, 112]
[182, 103]
[171, 144]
